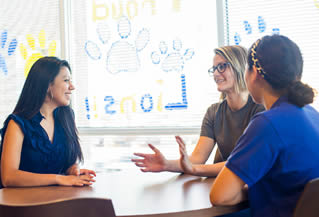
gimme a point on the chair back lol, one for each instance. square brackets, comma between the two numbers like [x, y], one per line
[308, 203]
[75, 207]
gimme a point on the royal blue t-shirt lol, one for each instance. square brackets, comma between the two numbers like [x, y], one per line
[39, 154]
[276, 156]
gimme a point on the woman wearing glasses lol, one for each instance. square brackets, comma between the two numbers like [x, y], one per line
[223, 123]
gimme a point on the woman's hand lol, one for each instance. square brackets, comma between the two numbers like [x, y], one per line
[76, 171]
[87, 172]
[184, 161]
[72, 180]
[151, 162]
[73, 170]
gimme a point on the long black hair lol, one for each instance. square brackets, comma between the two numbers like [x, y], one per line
[279, 61]
[41, 75]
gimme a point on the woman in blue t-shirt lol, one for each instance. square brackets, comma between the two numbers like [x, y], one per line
[277, 154]
[40, 145]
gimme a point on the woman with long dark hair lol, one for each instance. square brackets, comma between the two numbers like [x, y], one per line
[40, 145]
[278, 153]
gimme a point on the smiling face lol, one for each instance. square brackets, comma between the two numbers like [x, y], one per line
[225, 81]
[61, 88]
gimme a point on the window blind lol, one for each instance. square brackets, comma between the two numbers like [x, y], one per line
[28, 30]
[142, 64]
[246, 21]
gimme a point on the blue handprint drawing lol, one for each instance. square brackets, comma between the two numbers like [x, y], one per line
[6, 50]
[122, 55]
[248, 29]
[173, 61]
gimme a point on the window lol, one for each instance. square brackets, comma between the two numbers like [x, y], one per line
[28, 30]
[140, 68]
[142, 64]
[246, 21]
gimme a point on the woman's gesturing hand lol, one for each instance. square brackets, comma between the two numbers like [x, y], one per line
[184, 161]
[151, 162]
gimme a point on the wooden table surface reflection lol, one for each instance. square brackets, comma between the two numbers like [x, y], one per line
[134, 193]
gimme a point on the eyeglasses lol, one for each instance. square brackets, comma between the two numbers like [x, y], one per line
[221, 67]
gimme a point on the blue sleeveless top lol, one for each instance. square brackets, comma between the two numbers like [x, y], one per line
[38, 154]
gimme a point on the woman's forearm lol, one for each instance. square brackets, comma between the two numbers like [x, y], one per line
[208, 169]
[173, 166]
[21, 178]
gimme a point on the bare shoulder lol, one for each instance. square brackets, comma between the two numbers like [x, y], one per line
[13, 130]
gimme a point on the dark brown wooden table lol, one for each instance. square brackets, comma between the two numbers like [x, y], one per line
[134, 193]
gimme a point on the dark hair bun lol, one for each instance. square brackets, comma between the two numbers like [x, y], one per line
[300, 94]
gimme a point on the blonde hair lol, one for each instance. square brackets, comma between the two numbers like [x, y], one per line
[237, 57]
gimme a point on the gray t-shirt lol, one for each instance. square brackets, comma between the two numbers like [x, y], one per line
[226, 126]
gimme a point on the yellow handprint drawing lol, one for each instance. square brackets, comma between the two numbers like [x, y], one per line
[36, 52]
[176, 5]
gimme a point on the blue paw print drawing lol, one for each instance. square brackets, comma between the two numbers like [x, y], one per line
[248, 29]
[173, 61]
[122, 55]
[6, 50]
